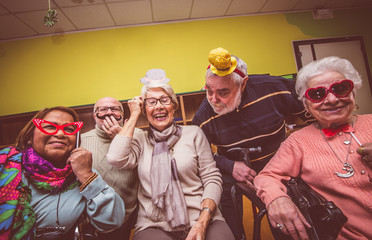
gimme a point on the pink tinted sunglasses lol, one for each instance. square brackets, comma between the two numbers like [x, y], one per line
[52, 128]
[339, 89]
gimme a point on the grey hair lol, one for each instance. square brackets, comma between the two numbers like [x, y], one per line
[167, 89]
[238, 80]
[324, 65]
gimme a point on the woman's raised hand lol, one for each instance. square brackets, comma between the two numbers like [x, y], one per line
[135, 105]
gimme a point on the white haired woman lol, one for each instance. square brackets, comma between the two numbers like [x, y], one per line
[180, 185]
[333, 156]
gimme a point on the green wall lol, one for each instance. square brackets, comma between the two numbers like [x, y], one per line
[79, 68]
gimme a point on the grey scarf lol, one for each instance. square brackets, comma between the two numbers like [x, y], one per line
[168, 200]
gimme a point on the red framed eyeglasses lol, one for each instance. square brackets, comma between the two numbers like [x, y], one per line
[339, 89]
[51, 128]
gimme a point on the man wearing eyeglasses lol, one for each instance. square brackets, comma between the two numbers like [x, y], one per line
[109, 117]
[243, 112]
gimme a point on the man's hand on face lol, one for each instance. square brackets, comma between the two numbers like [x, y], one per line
[111, 126]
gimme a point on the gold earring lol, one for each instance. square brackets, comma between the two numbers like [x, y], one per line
[356, 107]
[307, 114]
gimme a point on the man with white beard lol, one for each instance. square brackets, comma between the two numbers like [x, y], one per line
[245, 112]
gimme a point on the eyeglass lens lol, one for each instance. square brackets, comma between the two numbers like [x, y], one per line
[339, 89]
[166, 100]
[52, 128]
[105, 109]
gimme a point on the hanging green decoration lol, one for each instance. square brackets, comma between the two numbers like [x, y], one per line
[51, 18]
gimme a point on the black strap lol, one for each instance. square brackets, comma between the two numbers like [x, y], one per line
[303, 205]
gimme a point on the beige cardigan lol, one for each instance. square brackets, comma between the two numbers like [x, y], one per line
[197, 171]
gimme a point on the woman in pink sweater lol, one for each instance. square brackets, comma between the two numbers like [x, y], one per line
[333, 156]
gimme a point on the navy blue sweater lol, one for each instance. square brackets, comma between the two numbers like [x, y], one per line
[257, 122]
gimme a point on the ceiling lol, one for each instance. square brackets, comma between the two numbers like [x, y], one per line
[24, 18]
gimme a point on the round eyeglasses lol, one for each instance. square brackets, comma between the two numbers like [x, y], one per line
[50, 128]
[339, 89]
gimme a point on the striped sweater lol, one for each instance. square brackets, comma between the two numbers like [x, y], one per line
[257, 122]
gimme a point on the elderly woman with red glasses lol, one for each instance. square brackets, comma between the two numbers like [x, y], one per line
[333, 156]
[47, 183]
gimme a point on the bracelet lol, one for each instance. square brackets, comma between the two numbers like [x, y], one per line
[208, 210]
[88, 181]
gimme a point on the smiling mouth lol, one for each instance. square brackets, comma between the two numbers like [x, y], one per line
[160, 116]
[57, 143]
[333, 109]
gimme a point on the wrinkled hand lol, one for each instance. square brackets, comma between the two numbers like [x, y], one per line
[81, 163]
[366, 152]
[135, 105]
[283, 211]
[111, 126]
[242, 173]
[197, 232]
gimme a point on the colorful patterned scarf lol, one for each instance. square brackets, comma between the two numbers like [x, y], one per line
[45, 176]
[17, 218]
